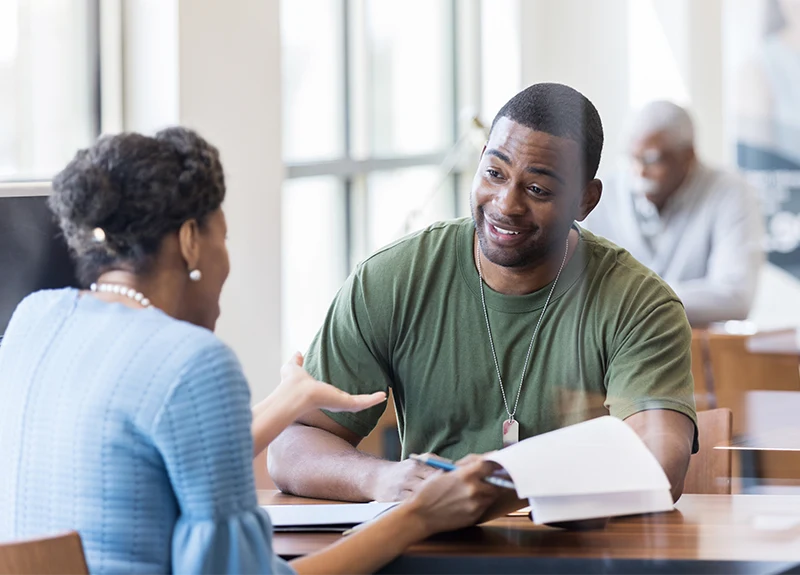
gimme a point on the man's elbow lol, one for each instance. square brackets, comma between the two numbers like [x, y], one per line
[741, 304]
[279, 466]
[734, 306]
[677, 491]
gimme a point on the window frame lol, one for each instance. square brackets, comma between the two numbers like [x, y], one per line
[352, 171]
[15, 186]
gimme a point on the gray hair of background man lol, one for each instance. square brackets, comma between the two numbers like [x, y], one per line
[663, 117]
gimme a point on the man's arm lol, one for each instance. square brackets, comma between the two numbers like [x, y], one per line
[317, 457]
[728, 289]
[669, 435]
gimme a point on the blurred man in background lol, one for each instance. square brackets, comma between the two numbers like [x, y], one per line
[698, 227]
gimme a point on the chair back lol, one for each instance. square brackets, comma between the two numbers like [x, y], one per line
[59, 554]
[709, 470]
[701, 371]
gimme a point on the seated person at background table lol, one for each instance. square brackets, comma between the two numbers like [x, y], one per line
[513, 318]
[697, 227]
[125, 418]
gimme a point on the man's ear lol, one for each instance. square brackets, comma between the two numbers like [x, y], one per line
[591, 196]
[189, 239]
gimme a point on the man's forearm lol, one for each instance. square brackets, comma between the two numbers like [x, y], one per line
[312, 462]
[270, 417]
[668, 435]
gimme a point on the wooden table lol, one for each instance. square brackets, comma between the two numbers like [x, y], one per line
[705, 534]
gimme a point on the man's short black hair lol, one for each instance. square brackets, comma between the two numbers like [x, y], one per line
[560, 111]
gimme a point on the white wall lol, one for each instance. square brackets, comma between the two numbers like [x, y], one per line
[584, 45]
[215, 67]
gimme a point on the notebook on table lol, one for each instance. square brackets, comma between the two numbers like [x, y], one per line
[337, 517]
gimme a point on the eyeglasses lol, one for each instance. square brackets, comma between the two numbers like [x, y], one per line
[649, 157]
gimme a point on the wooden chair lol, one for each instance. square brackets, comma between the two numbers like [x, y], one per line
[49, 556]
[710, 469]
[737, 372]
[703, 386]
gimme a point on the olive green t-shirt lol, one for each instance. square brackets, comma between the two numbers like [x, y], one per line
[614, 339]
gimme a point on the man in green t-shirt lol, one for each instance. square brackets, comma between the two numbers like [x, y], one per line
[501, 326]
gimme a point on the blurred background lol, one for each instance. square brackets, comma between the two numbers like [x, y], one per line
[345, 124]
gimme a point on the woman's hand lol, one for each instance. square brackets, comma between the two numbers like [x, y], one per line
[312, 394]
[455, 499]
[297, 394]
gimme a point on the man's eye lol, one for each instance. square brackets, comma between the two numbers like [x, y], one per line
[537, 191]
[493, 173]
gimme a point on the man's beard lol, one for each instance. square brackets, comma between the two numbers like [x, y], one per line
[510, 257]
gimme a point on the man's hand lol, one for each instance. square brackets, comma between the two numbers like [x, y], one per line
[398, 481]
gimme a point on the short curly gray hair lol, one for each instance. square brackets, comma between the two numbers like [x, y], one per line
[136, 189]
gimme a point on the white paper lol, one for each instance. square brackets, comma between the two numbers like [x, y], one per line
[579, 507]
[323, 515]
[598, 468]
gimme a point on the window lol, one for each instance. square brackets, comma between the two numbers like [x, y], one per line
[373, 136]
[48, 76]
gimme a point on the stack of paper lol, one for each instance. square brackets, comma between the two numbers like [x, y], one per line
[598, 468]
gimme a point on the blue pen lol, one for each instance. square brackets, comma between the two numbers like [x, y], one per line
[449, 466]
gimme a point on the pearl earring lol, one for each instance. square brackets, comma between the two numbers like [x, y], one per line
[195, 275]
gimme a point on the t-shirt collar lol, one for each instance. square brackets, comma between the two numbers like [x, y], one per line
[517, 303]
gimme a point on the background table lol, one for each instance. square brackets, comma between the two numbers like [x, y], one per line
[705, 534]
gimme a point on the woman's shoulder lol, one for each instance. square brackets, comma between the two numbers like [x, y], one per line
[38, 305]
[45, 299]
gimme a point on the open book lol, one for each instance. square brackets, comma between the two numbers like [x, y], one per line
[598, 468]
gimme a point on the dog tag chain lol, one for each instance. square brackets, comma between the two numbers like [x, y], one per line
[511, 425]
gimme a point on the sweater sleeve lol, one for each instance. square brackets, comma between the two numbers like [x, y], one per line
[203, 434]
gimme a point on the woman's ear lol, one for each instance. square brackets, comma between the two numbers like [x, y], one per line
[189, 239]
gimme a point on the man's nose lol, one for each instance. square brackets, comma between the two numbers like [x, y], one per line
[509, 201]
[637, 167]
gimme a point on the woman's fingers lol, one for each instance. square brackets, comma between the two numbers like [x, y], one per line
[290, 367]
[334, 399]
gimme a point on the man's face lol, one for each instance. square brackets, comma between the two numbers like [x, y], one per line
[658, 166]
[526, 193]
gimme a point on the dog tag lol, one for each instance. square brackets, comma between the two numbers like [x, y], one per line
[510, 432]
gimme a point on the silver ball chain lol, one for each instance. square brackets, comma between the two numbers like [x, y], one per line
[511, 414]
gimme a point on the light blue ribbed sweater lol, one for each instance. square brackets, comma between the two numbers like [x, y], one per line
[132, 428]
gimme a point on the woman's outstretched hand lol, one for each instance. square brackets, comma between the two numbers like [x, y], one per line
[313, 394]
[299, 393]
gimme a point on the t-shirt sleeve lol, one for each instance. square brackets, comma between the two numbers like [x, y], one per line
[350, 350]
[651, 366]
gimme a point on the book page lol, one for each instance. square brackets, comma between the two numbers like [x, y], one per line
[602, 455]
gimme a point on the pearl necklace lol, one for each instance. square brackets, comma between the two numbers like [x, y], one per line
[123, 291]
